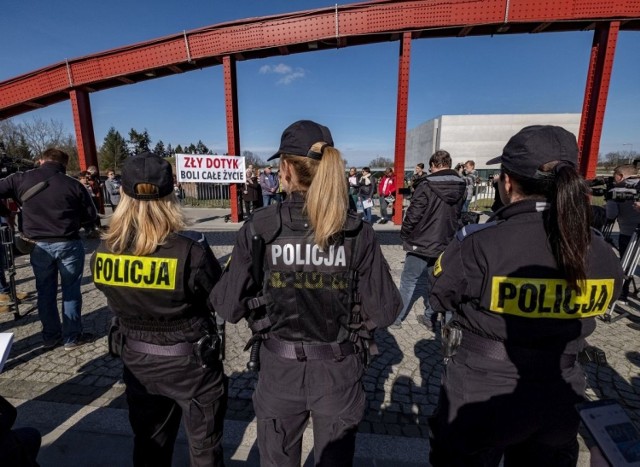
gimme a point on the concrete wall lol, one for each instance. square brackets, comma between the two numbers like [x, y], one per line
[475, 137]
[420, 143]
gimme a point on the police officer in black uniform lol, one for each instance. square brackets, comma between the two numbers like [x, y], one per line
[526, 288]
[157, 278]
[325, 286]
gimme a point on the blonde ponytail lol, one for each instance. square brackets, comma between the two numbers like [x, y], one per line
[326, 198]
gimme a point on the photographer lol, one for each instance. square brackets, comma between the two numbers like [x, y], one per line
[112, 188]
[627, 212]
[468, 172]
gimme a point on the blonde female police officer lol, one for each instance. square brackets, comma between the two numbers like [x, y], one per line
[526, 288]
[157, 278]
[320, 267]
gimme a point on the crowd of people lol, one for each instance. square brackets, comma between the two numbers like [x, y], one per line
[308, 276]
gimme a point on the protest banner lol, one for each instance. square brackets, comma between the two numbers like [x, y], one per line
[206, 168]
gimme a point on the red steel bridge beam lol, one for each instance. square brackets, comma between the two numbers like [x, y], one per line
[401, 121]
[595, 96]
[83, 123]
[233, 131]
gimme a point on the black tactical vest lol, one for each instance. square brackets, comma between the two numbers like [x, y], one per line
[309, 291]
[146, 288]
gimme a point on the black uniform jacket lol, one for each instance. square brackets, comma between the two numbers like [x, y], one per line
[169, 288]
[381, 301]
[432, 217]
[57, 212]
[502, 282]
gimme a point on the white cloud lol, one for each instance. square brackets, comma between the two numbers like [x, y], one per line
[289, 74]
[288, 79]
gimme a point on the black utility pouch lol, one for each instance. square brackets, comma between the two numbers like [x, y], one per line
[115, 340]
[207, 350]
[592, 354]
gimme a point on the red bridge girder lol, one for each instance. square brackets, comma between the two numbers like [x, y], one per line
[343, 26]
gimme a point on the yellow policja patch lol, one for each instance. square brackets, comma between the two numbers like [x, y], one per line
[135, 271]
[549, 298]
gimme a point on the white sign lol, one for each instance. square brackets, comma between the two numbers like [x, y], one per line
[210, 169]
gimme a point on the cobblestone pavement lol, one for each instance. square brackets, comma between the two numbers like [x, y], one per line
[401, 384]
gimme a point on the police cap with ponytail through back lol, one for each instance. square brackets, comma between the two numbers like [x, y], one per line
[298, 138]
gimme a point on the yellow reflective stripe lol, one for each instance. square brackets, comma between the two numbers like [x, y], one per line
[549, 298]
[143, 272]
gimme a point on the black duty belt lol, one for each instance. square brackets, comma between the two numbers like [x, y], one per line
[497, 350]
[206, 350]
[181, 349]
[158, 326]
[302, 351]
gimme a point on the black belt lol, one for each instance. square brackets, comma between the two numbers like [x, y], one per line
[206, 350]
[303, 351]
[181, 349]
[497, 350]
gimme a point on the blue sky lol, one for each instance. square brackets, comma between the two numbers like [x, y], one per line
[351, 90]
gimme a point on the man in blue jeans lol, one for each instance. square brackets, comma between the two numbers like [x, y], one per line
[54, 209]
[429, 225]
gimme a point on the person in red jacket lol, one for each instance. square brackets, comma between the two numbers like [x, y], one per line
[386, 193]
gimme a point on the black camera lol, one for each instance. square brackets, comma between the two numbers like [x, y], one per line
[601, 185]
[458, 167]
[627, 190]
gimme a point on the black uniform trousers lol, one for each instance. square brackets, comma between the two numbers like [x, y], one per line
[289, 391]
[488, 408]
[163, 390]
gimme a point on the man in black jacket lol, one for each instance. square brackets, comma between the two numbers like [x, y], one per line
[54, 208]
[429, 225]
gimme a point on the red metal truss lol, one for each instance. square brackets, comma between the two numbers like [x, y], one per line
[83, 123]
[401, 121]
[233, 130]
[342, 26]
[595, 96]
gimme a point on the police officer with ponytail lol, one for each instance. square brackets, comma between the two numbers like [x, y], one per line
[526, 288]
[157, 277]
[324, 287]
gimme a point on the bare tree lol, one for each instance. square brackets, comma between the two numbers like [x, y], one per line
[41, 134]
[11, 139]
[251, 158]
[381, 162]
[68, 145]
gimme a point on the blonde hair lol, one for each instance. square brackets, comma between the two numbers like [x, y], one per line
[140, 226]
[326, 194]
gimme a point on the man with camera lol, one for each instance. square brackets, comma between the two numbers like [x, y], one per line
[468, 172]
[626, 211]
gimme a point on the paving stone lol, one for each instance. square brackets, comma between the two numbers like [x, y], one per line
[364, 427]
[379, 428]
[412, 431]
[403, 399]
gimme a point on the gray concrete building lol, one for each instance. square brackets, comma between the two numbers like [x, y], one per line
[475, 137]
